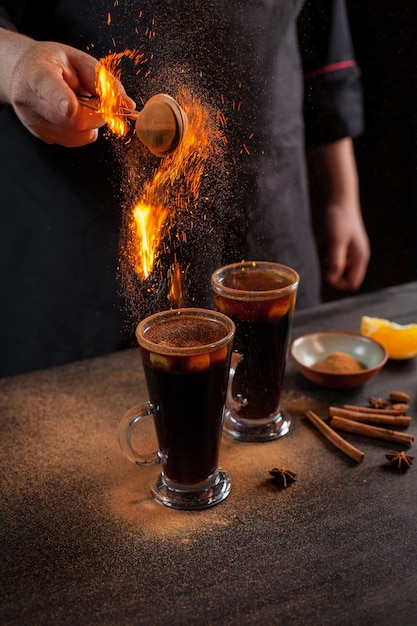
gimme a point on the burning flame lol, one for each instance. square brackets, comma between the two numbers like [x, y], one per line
[176, 289]
[111, 100]
[146, 227]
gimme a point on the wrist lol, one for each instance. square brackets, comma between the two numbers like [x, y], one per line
[333, 173]
[13, 46]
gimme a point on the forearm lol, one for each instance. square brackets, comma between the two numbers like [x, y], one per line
[340, 232]
[333, 173]
[12, 47]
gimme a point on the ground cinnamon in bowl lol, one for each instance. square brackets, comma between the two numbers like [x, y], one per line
[338, 363]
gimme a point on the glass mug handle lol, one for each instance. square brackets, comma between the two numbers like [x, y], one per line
[234, 403]
[128, 421]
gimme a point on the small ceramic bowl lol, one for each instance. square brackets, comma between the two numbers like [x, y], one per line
[313, 347]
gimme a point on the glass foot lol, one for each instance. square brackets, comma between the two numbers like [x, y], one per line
[189, 499]
[255, 430]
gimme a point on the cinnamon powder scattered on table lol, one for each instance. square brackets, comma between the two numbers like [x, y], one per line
[338, 363]
[131, 503]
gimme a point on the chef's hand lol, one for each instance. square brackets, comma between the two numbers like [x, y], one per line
[41, 80]
[344, 248]
[342, 241]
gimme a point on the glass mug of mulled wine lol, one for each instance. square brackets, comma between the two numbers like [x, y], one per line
[260, 298]
[186, 359]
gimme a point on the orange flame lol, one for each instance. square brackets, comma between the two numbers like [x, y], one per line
[176, 289]
[146, 226]
[110, 101]
[109, 90]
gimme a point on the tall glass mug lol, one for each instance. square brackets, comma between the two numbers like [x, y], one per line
[260, 298]
[186, 359]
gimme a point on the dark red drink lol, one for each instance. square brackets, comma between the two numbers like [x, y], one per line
[186, 366]
[260, 299]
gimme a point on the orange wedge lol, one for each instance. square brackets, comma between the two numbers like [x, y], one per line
[399, 340]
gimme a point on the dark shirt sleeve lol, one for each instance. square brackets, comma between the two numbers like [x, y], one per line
[11, 12]
[333, 106]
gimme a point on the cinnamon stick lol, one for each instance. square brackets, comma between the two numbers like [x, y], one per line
[402, 421]
[335, 438]
[367, 430]
[368, 409]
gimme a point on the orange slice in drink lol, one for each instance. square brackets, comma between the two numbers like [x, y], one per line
[279, 308]
[198, 362]
[159, 361]
[399, 340]
[219, 355]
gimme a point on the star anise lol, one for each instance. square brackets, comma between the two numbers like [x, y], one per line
[378, 403]
[282, 477]
[399, 460]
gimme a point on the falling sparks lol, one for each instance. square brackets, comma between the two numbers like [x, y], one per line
[173, 190]
[166, 202]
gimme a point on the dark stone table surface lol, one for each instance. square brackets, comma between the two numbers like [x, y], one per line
[84, 543]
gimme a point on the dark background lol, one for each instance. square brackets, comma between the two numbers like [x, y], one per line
[385, 41]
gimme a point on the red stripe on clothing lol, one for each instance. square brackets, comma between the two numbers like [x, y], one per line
[333, 67]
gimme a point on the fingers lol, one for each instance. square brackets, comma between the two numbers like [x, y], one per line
[58, 79]
[72, 140]
[65, 135]
[86, 72]
[50, 126]
[345, 267]
[343, 245]
[334, 264]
